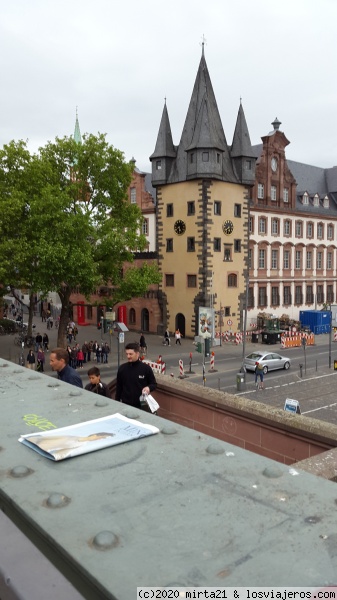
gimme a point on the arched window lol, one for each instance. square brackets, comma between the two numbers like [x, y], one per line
[232, 280]
[132, 316]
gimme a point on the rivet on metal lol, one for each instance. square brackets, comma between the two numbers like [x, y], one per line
[131, 414]
[168, 430]
[33, 377]
[105, 540]
[75, 392]
[272, 472]
[215, 449]
[313, 519]
[54, 384]
[56, 500]
[101, 402]
[20, 471]
[4, 365]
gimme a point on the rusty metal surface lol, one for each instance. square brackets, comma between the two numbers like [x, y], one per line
[176, 508]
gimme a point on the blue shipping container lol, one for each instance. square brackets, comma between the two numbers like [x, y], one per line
[317, 320]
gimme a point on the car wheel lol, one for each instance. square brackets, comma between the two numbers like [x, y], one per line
[265, 370]
[286, 365]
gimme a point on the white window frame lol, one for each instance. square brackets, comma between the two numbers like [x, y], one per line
[287, 227]
[133, 195]
[274, 226]
[286, 259]
[273, 193]
[262, 220]
[298, 228]
[260, 191]
[286, 195]
[274, 259]
[262, 258]
[309, 260]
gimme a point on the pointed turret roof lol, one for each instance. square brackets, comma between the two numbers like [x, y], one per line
[241, 140]
[77, 133]
[202, 128]
[164, 146]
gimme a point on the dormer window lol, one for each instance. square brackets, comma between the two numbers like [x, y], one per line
[316, 200]
[326, 202]
[305, 198]
[205, 156]
[158, 165]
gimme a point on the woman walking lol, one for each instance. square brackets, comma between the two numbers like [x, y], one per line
[31, 360]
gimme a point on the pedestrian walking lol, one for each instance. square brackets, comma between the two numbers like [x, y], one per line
[142, 344]
[45, 342]
[259, 374]
[31, 360]
[96, 385]
[178, 337]
[134, 378]
[59, 358]
[41, 359]
[167, 337]
[38, 341]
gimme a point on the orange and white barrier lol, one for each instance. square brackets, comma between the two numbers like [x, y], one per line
[294, 341]
[238, 338]
[155, 366]
[181, 368]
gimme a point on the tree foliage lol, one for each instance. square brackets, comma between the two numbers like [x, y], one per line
[66, 223]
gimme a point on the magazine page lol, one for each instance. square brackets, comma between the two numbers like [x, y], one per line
[89, 436]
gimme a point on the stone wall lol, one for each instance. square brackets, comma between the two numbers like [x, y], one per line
[282, 436]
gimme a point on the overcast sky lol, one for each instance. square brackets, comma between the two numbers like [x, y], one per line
[117, 60]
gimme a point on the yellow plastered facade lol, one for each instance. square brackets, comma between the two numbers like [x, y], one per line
[219, 278]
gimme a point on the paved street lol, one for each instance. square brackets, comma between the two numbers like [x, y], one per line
[315, 389]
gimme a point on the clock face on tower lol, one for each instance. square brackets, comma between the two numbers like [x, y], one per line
[179, 227]
[274, 164]
[227, 227]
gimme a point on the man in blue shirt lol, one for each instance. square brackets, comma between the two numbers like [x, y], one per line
[58, 361]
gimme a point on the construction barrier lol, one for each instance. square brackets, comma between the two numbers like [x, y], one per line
[335, 336]
[155, 366]
[212, 369]
[238, 338]
[181, 368]
[294, 341]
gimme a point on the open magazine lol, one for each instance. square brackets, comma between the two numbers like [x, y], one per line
[89, 436]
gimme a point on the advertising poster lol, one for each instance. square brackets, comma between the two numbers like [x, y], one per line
[206, 321]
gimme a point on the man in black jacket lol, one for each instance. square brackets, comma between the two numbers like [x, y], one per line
[134, 378]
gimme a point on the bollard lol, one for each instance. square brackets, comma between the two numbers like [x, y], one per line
[190, 369]
[301, 370]
[181, 370]
[212, 370]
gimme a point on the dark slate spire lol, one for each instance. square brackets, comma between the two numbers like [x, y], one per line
[241, 152]
[164, 152]
[202, 133]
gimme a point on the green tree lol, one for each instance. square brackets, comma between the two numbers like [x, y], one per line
[68, 223]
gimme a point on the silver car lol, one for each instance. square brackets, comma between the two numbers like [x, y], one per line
[270, 361]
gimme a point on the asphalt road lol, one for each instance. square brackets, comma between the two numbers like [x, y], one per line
[313, 386]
